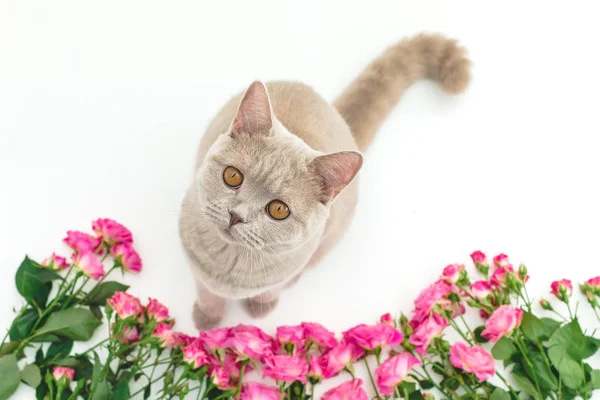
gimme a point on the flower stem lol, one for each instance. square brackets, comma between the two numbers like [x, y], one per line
[241, 378]
[378, 396]
[428, 375]
[468, 328]
[529, 363]
[459, 331]
[512, 391]
[569, 308]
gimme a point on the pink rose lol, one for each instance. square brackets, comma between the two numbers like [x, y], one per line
[221, 379]
[112, 231]
[481, 289]
[194, 354]
[501, 260]
[425, 332]
[258, 391]
[285, 368]
[317, 334]
[164, 333]
[215, 339]
[291, 335]
[55, 262]
[594, 282]
[473, 359]
[502, 322]
[233, 367]
[63, 372]
[393, 371]
[337, 358]
[388, 320]
[562, 289]
[128, 335]
[479, 258]
[315, 371]
[500, 275]
[90, 265]
[248, 344]
[82, 242]
[157, 310]
[125, 305]
[127, 256]
[436, 295]
[373, 337]
[351, 390]
[453, 272]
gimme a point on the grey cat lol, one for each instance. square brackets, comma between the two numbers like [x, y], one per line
[274, 186]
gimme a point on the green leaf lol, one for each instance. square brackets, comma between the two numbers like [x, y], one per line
[84, 368]
[31, 375]
[22, 326]
[97, 312]
[33, 283]
[39, 356]
[11, 377]
[545, 376]
[478, 337]
[41, 392]
[74, 323]
[97, 370]
[526, 386]
[59, 350]
[409, 386]
[571, 372]
[8, 348]
[147, 392]
[451, 383]
[105, 290]
[500, 394]
[121, 391]
[593, 381]
[503, 349]
[578, 346]
[103, 391]
[46, 338]
[416, 396]
[426, 384]
[536, 329]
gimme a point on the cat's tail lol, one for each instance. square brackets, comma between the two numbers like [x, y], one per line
[369, 99]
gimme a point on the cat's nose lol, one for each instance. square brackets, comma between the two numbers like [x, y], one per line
[235, 218]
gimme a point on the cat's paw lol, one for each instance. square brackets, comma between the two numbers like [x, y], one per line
[203, 321]
[258, 309]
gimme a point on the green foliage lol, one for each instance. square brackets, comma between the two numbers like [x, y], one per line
[72, 323]
[11, 376]
[98, 295]
[31, 375]
[567, 348]
[536, 329]
[503, 349]
[34, 283]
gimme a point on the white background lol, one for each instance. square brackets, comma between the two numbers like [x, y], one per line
[102, 105]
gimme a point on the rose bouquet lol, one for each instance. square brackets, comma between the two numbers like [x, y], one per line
[413, 358]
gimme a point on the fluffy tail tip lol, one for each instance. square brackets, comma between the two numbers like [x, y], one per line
[455, 70]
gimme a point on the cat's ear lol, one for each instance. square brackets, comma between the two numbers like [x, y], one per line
[336, 171]
[254, 114]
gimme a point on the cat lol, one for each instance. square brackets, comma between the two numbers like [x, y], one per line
[275, 176]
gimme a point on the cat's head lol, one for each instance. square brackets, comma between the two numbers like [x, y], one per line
[265, 188]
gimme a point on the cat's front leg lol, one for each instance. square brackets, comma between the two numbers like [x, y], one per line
[261, 305]
[209, 308]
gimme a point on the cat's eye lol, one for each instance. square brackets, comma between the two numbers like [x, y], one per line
[278, 210]
[233, 177]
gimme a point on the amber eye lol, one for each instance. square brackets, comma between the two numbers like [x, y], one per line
[278, 210]
[233, 177]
